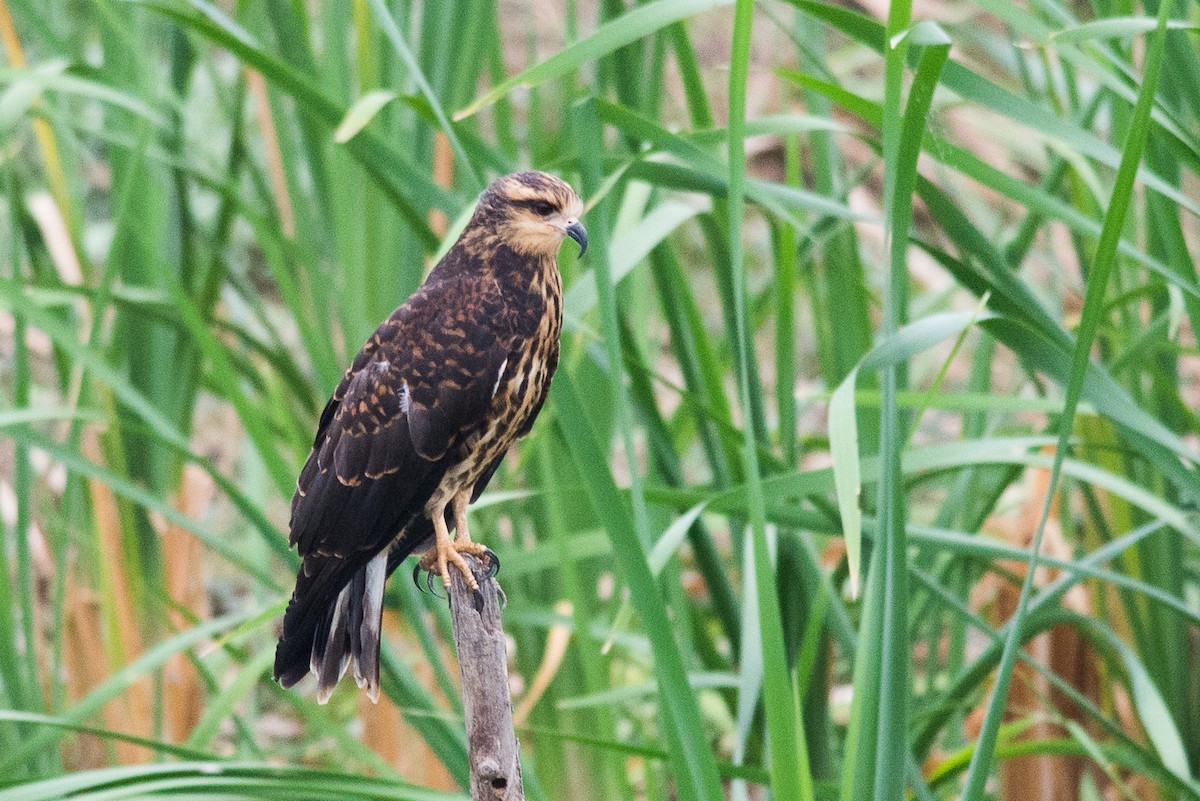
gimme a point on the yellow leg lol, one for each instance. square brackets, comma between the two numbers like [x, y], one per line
[459, 505]
[447, 550]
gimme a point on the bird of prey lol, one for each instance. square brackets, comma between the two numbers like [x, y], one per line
[420, 422]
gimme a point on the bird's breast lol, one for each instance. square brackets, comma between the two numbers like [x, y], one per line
[519, 389]
[522, 387]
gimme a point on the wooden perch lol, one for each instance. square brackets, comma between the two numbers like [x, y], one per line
[492, 746]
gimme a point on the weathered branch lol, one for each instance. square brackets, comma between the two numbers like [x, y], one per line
[479, 639]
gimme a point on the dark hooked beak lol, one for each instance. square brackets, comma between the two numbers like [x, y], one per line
[577, 232]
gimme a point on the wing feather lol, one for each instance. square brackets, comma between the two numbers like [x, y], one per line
[365, 467]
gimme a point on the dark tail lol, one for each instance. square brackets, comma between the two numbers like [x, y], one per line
[335, 616]
[331, 622]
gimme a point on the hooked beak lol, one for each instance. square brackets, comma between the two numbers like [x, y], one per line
[577, 232]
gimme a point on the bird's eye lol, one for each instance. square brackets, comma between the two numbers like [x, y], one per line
[543, 209]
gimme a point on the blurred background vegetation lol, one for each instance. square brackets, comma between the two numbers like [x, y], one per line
[835, 247]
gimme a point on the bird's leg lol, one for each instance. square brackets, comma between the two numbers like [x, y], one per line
[458, 504]
[462, 537]
[447, 550]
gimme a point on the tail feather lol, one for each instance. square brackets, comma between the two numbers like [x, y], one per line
[306, 623]
[335, 616]
[324, 633]
[320, 641]
[334, 654]
[364, 636]
[357, 588]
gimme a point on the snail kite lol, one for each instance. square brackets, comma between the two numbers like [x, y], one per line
[421, 421]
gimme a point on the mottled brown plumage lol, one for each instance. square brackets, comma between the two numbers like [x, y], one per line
[421, 421]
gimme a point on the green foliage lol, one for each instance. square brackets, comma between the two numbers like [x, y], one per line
[851, 280]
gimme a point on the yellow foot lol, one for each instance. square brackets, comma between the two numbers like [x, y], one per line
[437, 559]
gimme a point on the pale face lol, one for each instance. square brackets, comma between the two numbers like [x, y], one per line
[541, 211]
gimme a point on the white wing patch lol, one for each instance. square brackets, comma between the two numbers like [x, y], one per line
[404, 399]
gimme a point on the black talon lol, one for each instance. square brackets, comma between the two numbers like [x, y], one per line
[493, 562]
[417, 576]
[502, 596]
[478, 602]
[429, 584]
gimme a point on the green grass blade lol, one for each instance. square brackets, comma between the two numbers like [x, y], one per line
[410, 189]
[1105, 260]
[394, 36]
[788, 758]
[118, 683]
[681, 713]
[1116, 27]
[636, 24]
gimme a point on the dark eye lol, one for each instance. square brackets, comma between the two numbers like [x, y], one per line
[542, 208]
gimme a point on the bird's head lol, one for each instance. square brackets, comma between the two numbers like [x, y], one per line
[532, 213]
